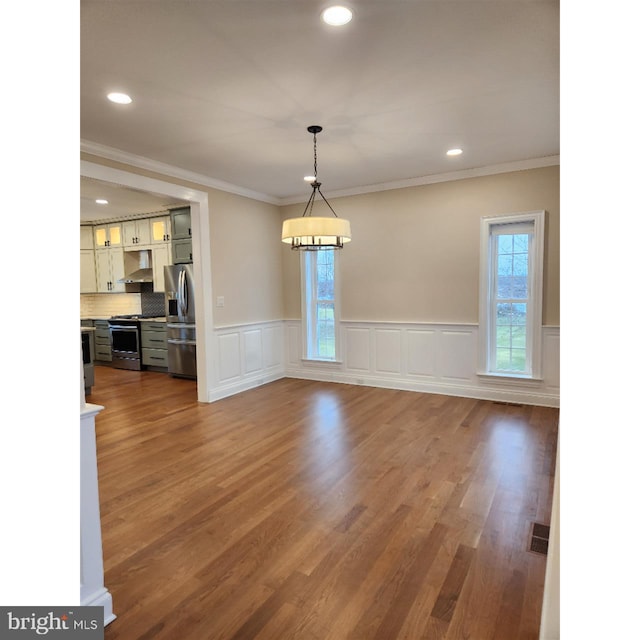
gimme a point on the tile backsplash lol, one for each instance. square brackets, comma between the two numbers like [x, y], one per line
[152, 304]
[105, 305]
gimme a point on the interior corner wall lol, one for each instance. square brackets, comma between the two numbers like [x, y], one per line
[415, 251]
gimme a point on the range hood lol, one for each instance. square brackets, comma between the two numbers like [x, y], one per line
[137, 267]
[141, 275]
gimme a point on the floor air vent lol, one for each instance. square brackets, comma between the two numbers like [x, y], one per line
[539, 538]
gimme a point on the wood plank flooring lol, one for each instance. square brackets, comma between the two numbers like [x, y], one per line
[316, 511]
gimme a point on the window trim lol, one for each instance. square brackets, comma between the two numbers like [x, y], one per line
[307, 356]
[536, 276]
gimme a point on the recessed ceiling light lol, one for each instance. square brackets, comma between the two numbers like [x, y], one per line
[337, 16]
[119, 98]
[100, 201]
[454, 152]
[309, 178]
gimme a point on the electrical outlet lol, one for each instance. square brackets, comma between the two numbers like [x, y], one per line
[220, 301]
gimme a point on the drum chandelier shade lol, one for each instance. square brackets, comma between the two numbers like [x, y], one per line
[311, 233]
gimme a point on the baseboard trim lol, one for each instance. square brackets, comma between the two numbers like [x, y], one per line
[101, 598]
[231, 388]
[463, 391]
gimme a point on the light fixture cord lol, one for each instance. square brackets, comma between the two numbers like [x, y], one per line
[315, 184]
[315, 159]
[315, 175]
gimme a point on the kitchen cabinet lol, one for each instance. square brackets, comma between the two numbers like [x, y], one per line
[110, 269]
[88, 281]
[136, 232]
[86, 237]
[102, 341]
[87, 261]
[107, 235]
[160, 257]
[181, 251]
[160, 229]
[181, 248]
[102, 248]
[154, 345]
[180, 223]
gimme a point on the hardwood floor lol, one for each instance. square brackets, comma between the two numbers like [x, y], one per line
[317, 511]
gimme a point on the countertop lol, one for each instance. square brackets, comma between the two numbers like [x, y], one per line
[155, 319]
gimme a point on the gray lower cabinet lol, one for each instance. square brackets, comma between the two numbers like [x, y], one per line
[102, 341]
[154, 345]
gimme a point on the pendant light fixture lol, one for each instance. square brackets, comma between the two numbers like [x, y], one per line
[313, 233]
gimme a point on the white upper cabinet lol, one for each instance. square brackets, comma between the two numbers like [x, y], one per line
[86, 237]
[107, 235]
[110, 269]
[160, 229]
[136, 233]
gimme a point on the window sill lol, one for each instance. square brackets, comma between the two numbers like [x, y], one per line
[320, 361]
[508, 377]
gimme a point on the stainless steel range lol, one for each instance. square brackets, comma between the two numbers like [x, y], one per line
[126, 349]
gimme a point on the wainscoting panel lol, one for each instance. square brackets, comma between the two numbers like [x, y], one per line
[250, 355]
[429, 357]
[253, 350]
[272, 346]
[421, 352]
[357, 347]
[229, 354]
[294, 344]
[388, 350]
[457, 354]
[551, 358]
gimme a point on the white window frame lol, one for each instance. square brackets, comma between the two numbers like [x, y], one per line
[486, 355]
[308, 314]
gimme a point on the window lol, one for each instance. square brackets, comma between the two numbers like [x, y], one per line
[319, 304]
[511, 295]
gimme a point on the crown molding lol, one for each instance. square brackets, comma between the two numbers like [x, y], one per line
[507, 167]
[141, 162]
[109, 153]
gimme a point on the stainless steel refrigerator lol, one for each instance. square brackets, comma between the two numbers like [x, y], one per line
[181, 320]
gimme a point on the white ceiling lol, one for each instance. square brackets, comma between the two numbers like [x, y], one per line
[226, 88]
[122, 201]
